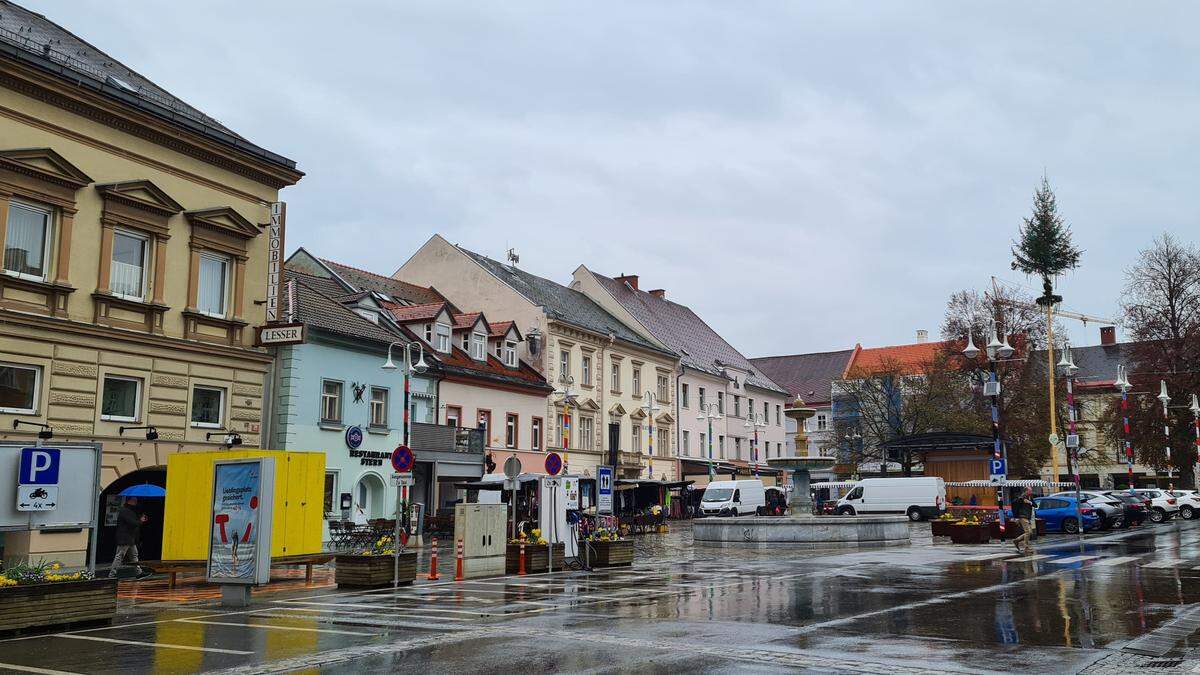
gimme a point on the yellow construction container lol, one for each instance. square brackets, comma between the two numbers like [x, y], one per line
[299, 502]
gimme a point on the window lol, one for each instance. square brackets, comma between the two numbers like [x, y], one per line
[510, 353]
[331, 401]
[442, 338]
[120, 399]
[721, 402]
[587, 433]
[27, 247]
[453, 416]
[510, 430]
[330, 490]
[379, 407]
[778, 416]
[737, 448]
[636, 446]
[564, 363]
[429, 333]
[749, 407]
[535, 433]
[737, 405]
[214, 285]
[485, 423]
[702, 399]
[208, 406]
[721, 446]
[683, 395]
[685, 448]
[128, 277]
[637, 381]
[479, 346]
[822, 422]
[586, 364]
[663, 389]
[19, 388]
[664, 442]
[616, 377]
[703, 443]
[767, 413]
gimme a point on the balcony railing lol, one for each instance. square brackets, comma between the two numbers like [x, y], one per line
[442, 438]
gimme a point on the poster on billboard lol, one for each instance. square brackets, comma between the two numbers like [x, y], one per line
[239, 550]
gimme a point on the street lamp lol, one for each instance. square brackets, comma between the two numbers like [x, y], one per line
[1165, 398]
[755, 421]
[1068, 368]
[567, 397]
[995, 349]
[851, 437]
[409, 367]
[709, 411]
[1195, 408]
[650, 407]
[1122, 384]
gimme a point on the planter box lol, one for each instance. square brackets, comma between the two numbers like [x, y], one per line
[941, 528]
[970, 534]
[373, 571]
[609, 553]
[536, 558]
[55, 604]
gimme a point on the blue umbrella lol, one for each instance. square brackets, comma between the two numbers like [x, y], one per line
[144, 490]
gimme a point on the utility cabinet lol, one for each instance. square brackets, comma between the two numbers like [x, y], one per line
[481, 529]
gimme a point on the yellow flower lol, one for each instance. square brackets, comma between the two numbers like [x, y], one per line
[537, 534]
[54, 566]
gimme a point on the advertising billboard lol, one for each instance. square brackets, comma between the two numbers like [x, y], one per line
[239, 544]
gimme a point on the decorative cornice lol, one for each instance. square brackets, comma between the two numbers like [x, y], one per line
[224, 219]
[141, 194]
[44, 164]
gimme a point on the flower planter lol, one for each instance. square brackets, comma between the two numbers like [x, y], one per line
[57, 603]
[609, 553]
[536, 558]
[373, 571]
[941, 528]
[970, 534]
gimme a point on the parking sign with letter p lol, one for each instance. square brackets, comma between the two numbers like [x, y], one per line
[39, 466]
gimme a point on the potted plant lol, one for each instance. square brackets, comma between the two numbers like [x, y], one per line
[940, 526]
[970, 531]
[43, 594]
[606, 548]
[374, 567]
[537, 553]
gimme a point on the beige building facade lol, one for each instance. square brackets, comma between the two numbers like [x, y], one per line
[134, 269]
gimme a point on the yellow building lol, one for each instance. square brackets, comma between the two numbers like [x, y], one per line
[136, 238]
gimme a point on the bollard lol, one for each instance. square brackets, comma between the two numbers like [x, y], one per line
[458, 571]
[433, 575]
[521, 561]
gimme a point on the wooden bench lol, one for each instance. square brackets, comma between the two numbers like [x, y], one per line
[173, 567]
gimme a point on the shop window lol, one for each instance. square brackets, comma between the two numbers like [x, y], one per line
[19, 388]
[331, 401]
[208, 406]
[120, 399]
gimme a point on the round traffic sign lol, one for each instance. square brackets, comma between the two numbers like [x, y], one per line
[402, 459]
[553, 463]
[512, 467]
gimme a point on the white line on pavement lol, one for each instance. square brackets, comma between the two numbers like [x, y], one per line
[1072, 559]
[1110, 562]
[273, 627]
[156, 645]
[1028, 558]
[31, 669]
[1160, 564]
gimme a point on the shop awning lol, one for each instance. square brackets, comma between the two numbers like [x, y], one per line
[635, 482]
[835, 484]
[1010, 483]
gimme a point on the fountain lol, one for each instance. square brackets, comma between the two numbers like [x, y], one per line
[801, 529]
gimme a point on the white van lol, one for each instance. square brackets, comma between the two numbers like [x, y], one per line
[919, 498]
[733, 498]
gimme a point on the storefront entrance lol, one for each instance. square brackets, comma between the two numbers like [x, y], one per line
[150, 547]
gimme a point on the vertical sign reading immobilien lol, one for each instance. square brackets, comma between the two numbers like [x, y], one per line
[275, 260]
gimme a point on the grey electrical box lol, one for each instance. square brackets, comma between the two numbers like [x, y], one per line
[481, 528]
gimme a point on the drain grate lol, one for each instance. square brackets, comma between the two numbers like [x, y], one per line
[1170, 663]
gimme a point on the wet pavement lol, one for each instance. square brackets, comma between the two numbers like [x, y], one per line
[1119, 602]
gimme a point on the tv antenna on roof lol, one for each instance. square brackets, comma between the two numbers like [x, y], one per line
[513, 258]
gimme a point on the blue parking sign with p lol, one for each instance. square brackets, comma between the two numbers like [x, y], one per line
[998, 467]
[39, 466]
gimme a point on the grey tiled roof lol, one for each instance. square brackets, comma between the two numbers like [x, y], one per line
[35, 40]
[400, 290]
[315, 306]
[677, 326]
[1097, 364]
[561, 303]
[809, 376]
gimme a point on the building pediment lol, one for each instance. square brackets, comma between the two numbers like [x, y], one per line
[224, 219]
[588, 405]
[141, 194]
[665, 418]
[637, 414]
[617, 410]
[44, 164]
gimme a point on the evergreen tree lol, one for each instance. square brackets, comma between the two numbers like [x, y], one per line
[1044, 248]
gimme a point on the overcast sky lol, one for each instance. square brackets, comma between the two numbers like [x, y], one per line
[804, 175]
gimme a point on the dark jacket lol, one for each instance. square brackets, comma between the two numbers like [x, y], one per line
[129, 526]
[1023, 508]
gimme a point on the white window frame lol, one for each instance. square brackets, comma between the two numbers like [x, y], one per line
[341, 395]
[512, 430]
[132, 234]
[137, 399]
[564, 362]
[586, 365]
[441, 336]
[429, 334]
[37, 388]
[684, 396]
[479, 346]
[49, 212]
[535, 433]
[615, 374]
[685, 450]
[637, 381]
[220, 407]
[371, 405]
[664, 388]
[637, 438]
[587, 432]
[228, 262]
[510, 353]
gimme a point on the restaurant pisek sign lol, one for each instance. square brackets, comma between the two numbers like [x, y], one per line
[371, 457]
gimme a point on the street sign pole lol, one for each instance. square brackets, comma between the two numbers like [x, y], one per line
[512, 471]
[402, 463]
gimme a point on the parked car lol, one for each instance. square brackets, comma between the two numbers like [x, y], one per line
[1110, 509]
[919, 498]
[1060, 514]
[733, 498]
[1189, 503]
[1137, 507]
[1163, 506]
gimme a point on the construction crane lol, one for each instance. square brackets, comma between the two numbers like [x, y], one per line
[1084, 318]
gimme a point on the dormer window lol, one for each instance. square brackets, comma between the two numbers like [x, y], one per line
[367, 314]
[429, 333]
[510, 353]
[479, 346]
[442, 338]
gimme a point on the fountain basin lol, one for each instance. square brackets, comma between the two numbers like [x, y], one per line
[806, 532]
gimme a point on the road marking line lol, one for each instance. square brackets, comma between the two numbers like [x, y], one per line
[357, 613]
[1110, 562]
[398, 609]
[1160, 564]
[1073, 559]
[994, 556]
[1028, 558]
[270, 627]
[163, 645]
[32, 669]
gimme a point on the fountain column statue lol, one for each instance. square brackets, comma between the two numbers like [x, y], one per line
[800, 501]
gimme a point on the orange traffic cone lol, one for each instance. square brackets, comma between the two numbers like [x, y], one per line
[521, 561]
[458, 571]
[433, 575]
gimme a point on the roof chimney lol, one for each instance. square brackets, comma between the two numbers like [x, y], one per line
[922, 337]
[630, 279]
[1108, 335]
[659, 293]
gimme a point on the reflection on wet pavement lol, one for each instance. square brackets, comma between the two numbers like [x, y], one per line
[917, 609]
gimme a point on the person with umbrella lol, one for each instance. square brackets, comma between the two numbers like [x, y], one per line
[129, 529]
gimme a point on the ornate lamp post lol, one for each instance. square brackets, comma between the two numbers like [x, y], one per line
[1122, 384]
[650, 407]
[1165, 399]
[754, 421]
[995, 350]
[709, 411]
[1068, 368]
[409, 368]
[566, 397]
[1195, 408]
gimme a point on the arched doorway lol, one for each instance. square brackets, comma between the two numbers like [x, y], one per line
[368, 497]
[150, 547]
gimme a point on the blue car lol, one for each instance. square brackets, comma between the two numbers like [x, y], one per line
[1059, 514]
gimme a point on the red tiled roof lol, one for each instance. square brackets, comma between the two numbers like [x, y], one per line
[500, 328]
[492, 367]
[909, 359]
[466, 320]
[408, 313]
